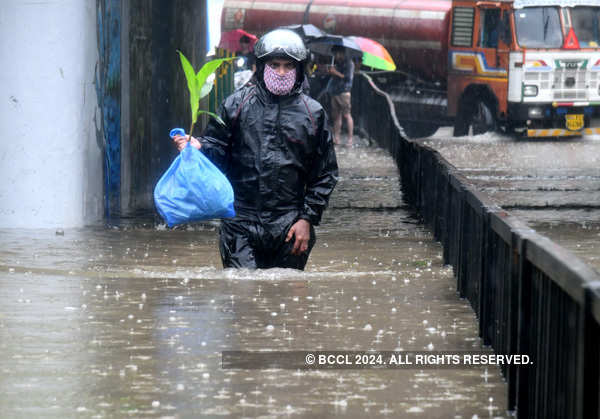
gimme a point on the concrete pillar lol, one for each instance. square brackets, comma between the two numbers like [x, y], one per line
[154, 90]
[50, 156]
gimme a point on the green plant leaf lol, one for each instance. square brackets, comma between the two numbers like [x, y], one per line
[200, 84]
[192, 84]
[207, 87]
[206, 70]
[214, 115]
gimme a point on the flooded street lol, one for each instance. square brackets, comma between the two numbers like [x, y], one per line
[132, 321]
[552, 184]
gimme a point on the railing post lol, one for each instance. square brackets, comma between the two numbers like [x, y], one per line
[484, 270]
[458, 263]
[518, 388]
[590, 362]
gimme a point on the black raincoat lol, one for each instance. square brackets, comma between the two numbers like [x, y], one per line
[278, 154]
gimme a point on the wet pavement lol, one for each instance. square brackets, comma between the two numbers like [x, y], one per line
[132, 321]
[552, 184]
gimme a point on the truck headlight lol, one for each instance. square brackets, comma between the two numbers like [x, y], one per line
[535, 113]
[530, 90]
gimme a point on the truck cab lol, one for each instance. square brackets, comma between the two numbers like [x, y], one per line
[531, 66]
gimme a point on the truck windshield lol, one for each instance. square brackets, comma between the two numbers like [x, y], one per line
[538, 27]
[585, 25]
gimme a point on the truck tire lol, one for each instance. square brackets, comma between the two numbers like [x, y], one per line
[418, 129]
[474, 118]
[482, 120]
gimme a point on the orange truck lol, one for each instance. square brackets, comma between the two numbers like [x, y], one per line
[525, 66]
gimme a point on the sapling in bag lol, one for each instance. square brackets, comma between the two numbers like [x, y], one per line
[193, 189]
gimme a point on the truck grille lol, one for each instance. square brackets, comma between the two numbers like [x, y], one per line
[565, 84]
[570, 84]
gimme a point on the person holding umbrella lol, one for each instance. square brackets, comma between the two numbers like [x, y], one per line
[241, 42]
[247, 54]
[342, 76]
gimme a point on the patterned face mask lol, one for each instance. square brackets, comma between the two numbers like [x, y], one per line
[279, 85]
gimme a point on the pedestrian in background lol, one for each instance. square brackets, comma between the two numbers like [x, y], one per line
[342, 76]
[247, 54]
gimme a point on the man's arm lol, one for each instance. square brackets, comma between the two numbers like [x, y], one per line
[321, 181]
[334, 72]
[349, 75]
[215, 141]
[216, 138]
[322, 177]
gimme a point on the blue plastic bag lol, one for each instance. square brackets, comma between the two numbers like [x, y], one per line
[193, 189]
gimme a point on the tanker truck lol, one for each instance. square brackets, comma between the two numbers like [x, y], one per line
[531, 67]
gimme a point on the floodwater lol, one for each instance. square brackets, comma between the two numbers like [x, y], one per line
[132, 321]
[551, 184]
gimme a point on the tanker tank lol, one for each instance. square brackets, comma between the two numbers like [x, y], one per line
[415, 32]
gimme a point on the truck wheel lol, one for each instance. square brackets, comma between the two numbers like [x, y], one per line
[473, 119]
[482, 120]
[418, 129]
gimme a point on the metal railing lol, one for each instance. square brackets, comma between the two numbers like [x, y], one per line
[223, 81]
[531, 296]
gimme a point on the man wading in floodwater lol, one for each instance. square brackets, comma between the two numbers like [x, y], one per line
[277, 152]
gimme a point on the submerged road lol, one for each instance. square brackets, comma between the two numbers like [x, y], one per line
[132, 321]
[552, 184]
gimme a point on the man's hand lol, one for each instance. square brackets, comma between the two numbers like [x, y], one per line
[181, 141]
[301, 230]
[333, 71]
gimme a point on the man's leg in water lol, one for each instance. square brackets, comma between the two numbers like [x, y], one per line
[236, 244]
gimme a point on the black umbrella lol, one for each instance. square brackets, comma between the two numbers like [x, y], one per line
[306, 31]
[323, 45]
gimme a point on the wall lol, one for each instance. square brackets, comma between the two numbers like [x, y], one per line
[50, 160]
